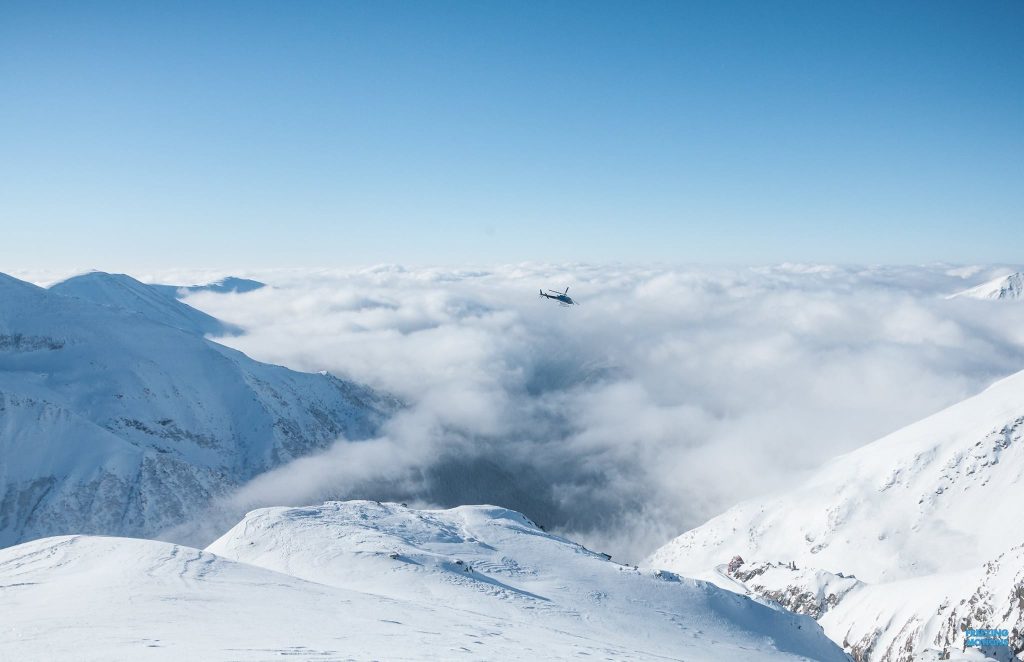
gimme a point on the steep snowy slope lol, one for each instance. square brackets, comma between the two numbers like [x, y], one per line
[1004, 287]
[368, 581]
[936, 496]
[925, 519]
[113, 422]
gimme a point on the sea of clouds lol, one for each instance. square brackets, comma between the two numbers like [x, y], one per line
[667, 396]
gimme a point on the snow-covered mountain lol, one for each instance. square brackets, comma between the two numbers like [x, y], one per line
[1004, 287]
[157, 303]
[899, 546]
[118, 417]
[231, 284]
[363, 580]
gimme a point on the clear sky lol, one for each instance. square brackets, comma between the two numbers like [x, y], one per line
[306, 134]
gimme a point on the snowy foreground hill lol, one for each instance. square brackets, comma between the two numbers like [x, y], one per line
[118, 417]
[896, 548]
[364, 580]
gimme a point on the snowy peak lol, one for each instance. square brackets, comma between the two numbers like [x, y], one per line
[154, 303]
[355, 543]
[12, 289]
[10, 284]
[495, 561]
[1003, 288]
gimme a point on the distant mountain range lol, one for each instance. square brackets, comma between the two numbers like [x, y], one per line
[118, 417]
[897, 548]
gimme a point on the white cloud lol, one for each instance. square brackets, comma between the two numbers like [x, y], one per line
[667, 396]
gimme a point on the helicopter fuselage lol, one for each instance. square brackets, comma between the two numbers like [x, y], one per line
[564, 299]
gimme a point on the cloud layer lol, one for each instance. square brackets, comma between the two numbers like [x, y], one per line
[666, 397]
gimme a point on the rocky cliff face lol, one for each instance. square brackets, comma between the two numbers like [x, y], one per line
[925, 618]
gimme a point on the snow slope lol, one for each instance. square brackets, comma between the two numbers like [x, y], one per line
[362, 580]
[115, 419]
[1005, 287]
[925, 519]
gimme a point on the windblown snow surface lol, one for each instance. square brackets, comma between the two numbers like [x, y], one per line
[897, 548]
[365, 580]
[118, 417]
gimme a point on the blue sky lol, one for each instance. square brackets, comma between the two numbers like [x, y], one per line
[305, 134]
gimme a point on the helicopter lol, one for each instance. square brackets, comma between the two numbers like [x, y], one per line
[561, 297]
